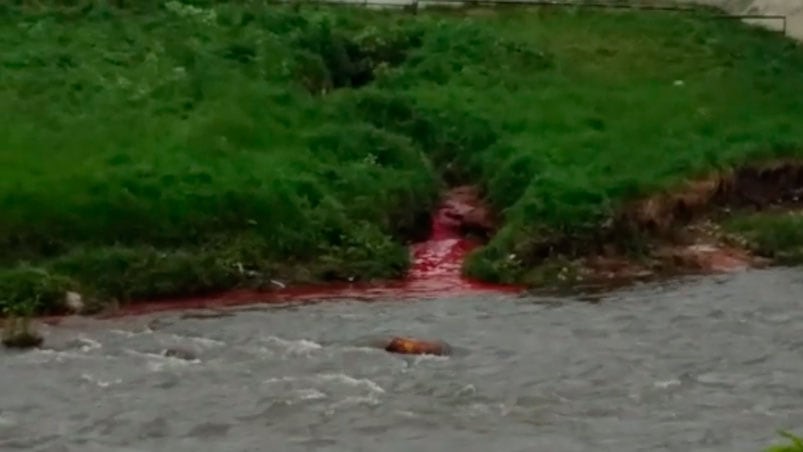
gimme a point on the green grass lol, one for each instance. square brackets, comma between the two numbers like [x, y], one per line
[795, 444]
[160, 149]
[775, 235]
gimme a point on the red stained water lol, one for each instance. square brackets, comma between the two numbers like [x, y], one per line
[435, 273]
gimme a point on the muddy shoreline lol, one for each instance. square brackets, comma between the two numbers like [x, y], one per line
[680, 230]
[461, 223]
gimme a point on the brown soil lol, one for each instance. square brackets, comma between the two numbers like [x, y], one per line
[757, 187]
[472, 215]
[681, 225]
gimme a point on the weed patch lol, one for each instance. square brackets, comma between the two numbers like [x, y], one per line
[776, 235]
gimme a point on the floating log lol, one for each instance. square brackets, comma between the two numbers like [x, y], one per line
[410, 346]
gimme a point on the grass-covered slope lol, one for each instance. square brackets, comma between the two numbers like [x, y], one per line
[165, 149]
[778, 236]
[175, 151]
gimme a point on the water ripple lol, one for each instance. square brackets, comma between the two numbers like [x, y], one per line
[695, 364]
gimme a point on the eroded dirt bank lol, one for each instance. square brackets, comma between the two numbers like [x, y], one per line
[675, 232]
[681, 231]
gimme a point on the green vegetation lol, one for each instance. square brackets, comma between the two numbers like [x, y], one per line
[777, 235]
[164, 149]
[795, 444]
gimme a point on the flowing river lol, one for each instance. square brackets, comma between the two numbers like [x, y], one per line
[712, 363]
[701, 364]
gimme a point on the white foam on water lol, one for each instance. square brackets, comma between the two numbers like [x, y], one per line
[46, 355]
[363, 349]
[280, 380]
[309, 394]
[169, 363]
[666, 383]
[7, 421]
[261, 350]
[158, 363]
[89, 344]
[429, 358]
[484, 409]
[98, 382]
[293, 347]
[760, 409]
[351, 381]
[409, 363]
[779, 318]
[339, 378]
[126, 333]
[714, 378]
[467, 390]
[352, 401]
[206, 342]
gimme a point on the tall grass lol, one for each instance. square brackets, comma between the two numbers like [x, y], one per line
[272, 137]
[775, 235]
[795, 444]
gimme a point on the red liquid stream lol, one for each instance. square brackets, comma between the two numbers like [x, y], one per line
[435, 273]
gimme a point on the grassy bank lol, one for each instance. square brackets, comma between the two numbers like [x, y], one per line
[775, 235]
[165, 149]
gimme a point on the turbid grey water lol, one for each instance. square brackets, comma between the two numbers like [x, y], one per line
[705, 364]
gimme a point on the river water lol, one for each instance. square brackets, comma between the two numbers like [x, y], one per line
[701, 364]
